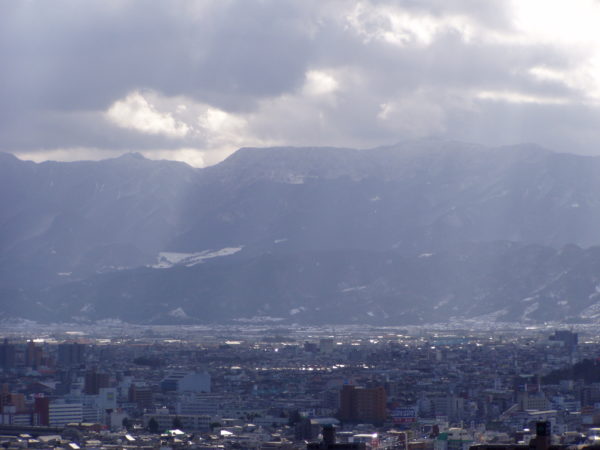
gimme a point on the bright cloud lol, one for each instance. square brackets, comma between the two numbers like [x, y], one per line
[389, 23]
[223, 131]
[136, 113]
[572, 26]
[319, 83]
[557, 21]
[517, 97]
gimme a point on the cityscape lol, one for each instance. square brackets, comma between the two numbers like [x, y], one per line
[300, 224]
[267, 386]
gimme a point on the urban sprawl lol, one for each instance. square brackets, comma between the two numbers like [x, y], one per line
[271, 386]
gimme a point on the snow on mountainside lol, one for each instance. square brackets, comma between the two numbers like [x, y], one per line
[170, 259]
[65, 229]
[498, 281]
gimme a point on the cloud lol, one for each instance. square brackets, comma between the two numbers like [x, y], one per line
[319, 83]
[415, 116]
[199, 79]
[136, 113]
[516, 97]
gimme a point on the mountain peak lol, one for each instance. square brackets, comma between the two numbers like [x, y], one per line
[5, 156]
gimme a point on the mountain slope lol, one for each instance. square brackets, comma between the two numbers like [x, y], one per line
[77, 234]
[87, 216]
[496, 281]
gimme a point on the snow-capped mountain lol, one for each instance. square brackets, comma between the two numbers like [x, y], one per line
[417, 231]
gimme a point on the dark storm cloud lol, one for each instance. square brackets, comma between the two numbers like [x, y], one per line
[82, 55]
[66, 58]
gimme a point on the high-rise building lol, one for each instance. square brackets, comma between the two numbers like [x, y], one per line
[568, 339]
[41, 411]
[33, 355]
[7, 354]
[360, 404]
[141, 395]
[450, 406]
[93, 381]
[71, 354]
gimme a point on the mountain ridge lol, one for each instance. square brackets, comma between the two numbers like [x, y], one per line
[72, 224]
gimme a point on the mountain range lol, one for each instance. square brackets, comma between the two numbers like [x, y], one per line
[418, 232]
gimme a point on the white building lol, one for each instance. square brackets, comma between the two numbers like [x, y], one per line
[189, 422]
[224, 405]
[60, 414]
[182, 381]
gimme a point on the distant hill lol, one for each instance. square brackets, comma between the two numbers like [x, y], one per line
[417, 232]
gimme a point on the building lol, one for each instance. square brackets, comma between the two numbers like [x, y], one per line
[542, 441]
[33, 355]
[96, 408]
[188, 422]
[7, 355]
[449, 406]
[209, 404]
[56, 413]
[60, 414]
[181, 381]
[141, 395]
[566, 338]
[329, 442]
[360, 404]
[41, 411]
[453, 439]
[533, 401]
[94, 381]
[12, 408]
[70, 354]
[308, 429]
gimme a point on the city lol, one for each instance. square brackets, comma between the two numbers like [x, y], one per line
[300, 224]
[278, 387]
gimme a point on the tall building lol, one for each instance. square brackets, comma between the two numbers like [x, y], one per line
[70, 354]
[450, 406]
[41, 411]
[141, 395]
[568, 339]
[94, 381]
[360, 404]
[7, 355]
[33, 355]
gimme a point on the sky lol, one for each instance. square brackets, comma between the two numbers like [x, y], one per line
[196, 80]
